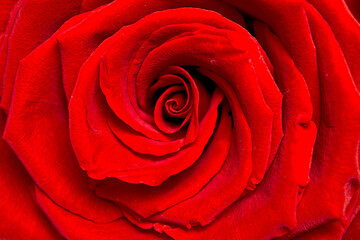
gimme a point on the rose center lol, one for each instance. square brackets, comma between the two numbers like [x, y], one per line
[173, 102]
[176, 105]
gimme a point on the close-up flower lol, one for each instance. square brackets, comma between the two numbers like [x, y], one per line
[179, 119]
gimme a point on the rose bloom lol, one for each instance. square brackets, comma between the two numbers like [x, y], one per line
[179, 119]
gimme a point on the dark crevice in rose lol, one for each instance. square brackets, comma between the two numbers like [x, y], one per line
[155, 91]
[231, 115]
[249, 24]
[207, 82]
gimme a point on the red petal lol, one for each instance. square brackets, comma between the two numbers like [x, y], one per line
[334, 171]
[289, 22]
[20, 216]
[72, 226]
[271, 208]
[346, 30]
[5, 8]
[35, 21]
[145, 200]
[354, 7]
[353, 232]
[38, 130]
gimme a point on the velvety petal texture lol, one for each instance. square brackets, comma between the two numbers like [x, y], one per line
[20, 215]
[192, 119]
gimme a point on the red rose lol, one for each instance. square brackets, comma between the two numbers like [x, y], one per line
[187, 119]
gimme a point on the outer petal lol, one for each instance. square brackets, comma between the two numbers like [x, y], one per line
[72, 226]
[33, 23]
[38, 119]
[346, 30]
[333, 189]
[5, 9]
[19, 214]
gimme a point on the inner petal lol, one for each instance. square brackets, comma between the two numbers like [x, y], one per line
[176, 105]
[172, 109]
[164, 82]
